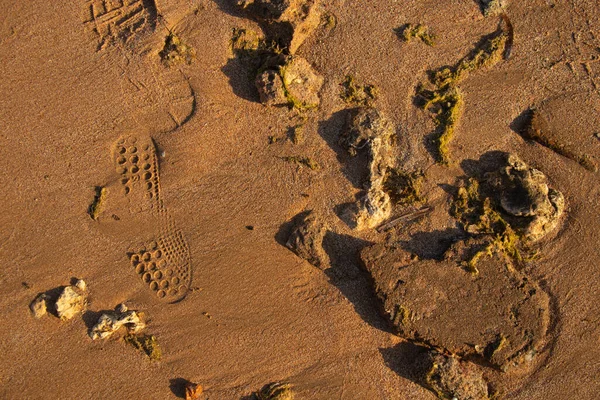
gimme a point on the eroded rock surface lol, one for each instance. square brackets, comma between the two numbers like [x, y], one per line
[493, 7]
[39, 306]
[270, 88]
[523, 192]
[368, 128]
[498, 314]
[289, 22]
[64, 302]
[451, 378]
[302, 83]
[70, 303]
[111, 321]
[294, 83]
[306, 240]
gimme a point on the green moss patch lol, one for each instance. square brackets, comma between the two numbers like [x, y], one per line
[275, 391]
[176, 51]
[478, 216]
[416, 31]
[358, 94]
[303, 161]
[146, 344]
[403, 187]
[443, 97]
[98, 204]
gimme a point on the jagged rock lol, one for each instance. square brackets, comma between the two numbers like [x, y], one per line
[523, 192]
[81, 285]
[372, 209]
[302, 83]
[69, 303]
[362, 126]
[306, 240]
[295, 83]
[111, 321]
[38, 306]
[451, 378]
[192, 391]
[368, 128]
[498, 314]
[288, 22]
[270, 88]
[493, 7]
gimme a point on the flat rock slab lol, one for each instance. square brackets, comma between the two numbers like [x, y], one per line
[498, 314]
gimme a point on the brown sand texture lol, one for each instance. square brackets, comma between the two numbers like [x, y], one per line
[274, 187]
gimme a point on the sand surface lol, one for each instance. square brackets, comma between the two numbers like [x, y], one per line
[256, 312]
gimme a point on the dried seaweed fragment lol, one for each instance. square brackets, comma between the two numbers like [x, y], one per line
[176, 51]
[274, 391]
[416, 31]
[488, 54]
[404, 187]
[447, 106]
[356, 93]
[445, 100]
[145, 343]
[98, 204]
[303, 161]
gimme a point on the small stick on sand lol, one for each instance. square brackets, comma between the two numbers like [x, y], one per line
[405, 218]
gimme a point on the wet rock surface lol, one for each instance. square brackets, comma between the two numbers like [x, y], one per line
[498, 314]
[306, 240]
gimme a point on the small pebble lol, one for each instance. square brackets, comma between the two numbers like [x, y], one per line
[122, 308]
[81, 285]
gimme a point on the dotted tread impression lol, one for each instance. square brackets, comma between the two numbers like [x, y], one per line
[165, 264]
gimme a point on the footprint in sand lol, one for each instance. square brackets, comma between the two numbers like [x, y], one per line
[157, 95]
[163, 264]
[121, 20]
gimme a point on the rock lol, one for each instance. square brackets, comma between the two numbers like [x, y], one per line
[306, 240]
[81, 285]
[270, 88]
[110, 322]
[362, 126]
[38, 306]
[302, 83]
[498, 314]
[295, 83]
[451, 378]
[523, 192]
[368, 128]
[493, 7]
[288, 22]
[372, 209]
[192, 391]
[69, 303]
